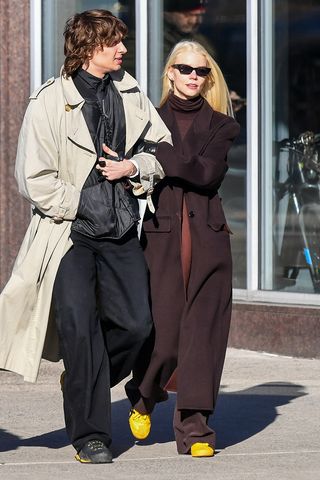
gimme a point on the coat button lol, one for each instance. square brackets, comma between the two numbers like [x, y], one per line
[191, 214]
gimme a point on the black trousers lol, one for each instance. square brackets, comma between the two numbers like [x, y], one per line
[100, 299]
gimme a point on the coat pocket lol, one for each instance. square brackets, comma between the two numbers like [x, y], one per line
[157, 225]
[216, 219]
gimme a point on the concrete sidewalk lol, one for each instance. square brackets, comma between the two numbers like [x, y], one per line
[267, 423]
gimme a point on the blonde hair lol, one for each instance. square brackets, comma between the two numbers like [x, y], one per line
[215, 89]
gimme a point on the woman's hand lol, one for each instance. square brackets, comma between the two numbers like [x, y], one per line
[114, 170]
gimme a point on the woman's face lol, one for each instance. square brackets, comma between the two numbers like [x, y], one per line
[190, 85]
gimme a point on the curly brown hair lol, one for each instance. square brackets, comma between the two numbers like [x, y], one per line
[87, 31]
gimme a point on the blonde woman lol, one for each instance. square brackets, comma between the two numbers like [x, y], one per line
[188, 253]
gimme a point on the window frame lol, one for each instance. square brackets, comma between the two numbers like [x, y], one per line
[259, 43]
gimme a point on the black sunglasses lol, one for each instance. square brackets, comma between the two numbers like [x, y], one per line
[186, 69]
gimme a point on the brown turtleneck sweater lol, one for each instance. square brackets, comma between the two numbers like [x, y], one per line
[185, 112]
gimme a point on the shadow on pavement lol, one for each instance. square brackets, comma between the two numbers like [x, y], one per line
[239, 415]
[54, 439]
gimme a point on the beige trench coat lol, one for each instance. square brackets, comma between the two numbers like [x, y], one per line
[55, 155]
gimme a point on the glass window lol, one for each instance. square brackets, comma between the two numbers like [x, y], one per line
[56, 12]
[221, 29]
[290, 169]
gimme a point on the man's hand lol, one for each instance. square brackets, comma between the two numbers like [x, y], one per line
[114, 170]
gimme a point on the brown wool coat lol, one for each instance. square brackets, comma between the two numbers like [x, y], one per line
[197, 320]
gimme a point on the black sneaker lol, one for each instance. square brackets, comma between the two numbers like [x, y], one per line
[94, 451]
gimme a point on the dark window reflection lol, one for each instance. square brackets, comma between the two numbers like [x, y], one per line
[297, 64]
[56, 12]
[183, 20]
[127, 14]
[221, 28]
[224, 25]
[297, 172]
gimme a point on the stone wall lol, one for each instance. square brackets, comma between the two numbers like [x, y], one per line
[14, 92]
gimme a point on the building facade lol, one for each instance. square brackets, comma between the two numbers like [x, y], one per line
[269, 51]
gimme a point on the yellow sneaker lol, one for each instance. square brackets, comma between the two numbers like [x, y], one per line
[202, 450]
[140, 425]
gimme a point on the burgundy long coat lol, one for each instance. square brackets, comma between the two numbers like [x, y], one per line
[191, 326]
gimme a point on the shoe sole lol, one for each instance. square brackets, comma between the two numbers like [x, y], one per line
[139, 438]
[82, 460]
[202, 454]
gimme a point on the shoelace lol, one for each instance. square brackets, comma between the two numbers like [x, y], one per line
[95, 445]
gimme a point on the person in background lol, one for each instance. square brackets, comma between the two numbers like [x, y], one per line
[79, 288]
[187, 248]
[182, 19]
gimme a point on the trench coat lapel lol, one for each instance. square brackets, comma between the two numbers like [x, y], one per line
[136, 122]
[77, 129]
[136, 118]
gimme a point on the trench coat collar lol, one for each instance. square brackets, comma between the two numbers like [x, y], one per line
[71, 93]
[123, 81]
[77, 129]
[136, 118]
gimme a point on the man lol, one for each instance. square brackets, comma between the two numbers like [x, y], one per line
[80, 271]
[182, 19]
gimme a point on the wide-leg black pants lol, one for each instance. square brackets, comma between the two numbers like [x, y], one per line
[102, 313]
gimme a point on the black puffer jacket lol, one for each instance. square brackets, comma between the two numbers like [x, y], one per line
[106, 209]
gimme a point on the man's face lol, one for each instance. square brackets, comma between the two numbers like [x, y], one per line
[106, 60]
[186, 22]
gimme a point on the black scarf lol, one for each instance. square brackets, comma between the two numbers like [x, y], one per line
[103, 111]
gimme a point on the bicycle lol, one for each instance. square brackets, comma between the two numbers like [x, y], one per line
[301, 238]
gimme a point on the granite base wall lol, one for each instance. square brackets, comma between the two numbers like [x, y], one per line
[284, 330]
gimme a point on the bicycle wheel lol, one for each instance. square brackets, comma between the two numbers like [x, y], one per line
[309, 219]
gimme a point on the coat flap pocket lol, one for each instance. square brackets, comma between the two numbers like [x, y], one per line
[217, 227]
[157, 224]
[216, 219]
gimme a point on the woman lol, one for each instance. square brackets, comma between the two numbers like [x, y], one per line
[188, 253]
